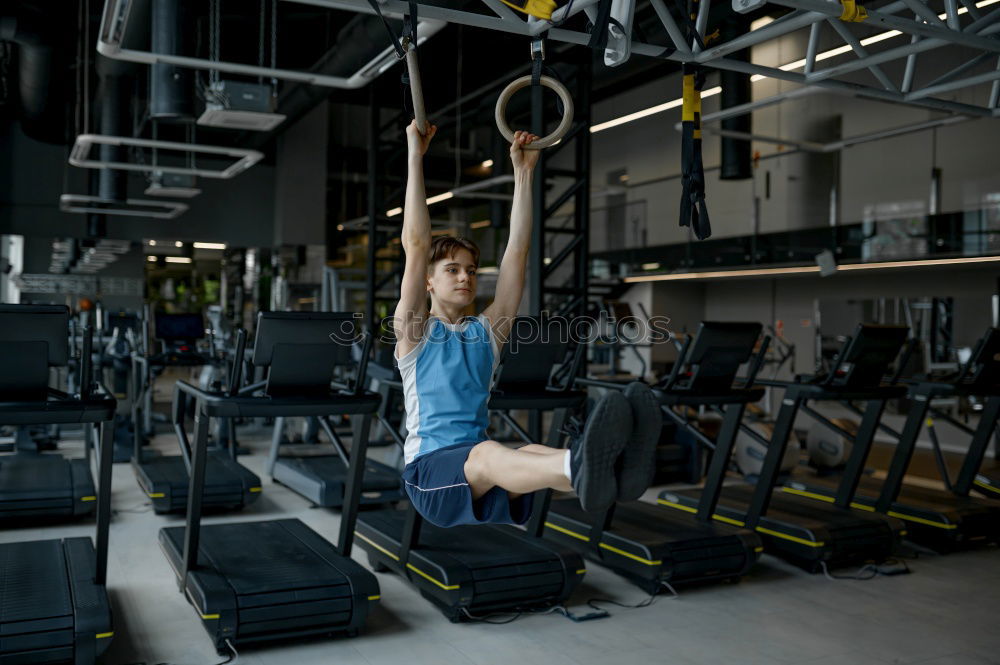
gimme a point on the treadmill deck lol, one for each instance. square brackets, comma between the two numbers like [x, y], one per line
[806, 532]
[478, 568]
[228, 484]
[649, 545]
[45, 486]
[50, 609]
[933, 517]
[269, 580]
[323, 478]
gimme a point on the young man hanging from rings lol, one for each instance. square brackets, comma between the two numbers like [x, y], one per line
[454, 473]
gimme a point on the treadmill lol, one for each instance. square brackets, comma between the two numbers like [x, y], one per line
[269, 580]
[322, 477]
[164, 478]
[940, 519]
[53, 603]
[646, 544]
[811, 534]
[36, 485]
[470, 571]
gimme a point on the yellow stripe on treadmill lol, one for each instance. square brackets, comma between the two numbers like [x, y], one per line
[676, 505]
[88, 498]
[256, 489]
[631, 556]
[155, 495]
[446, 587]
[811, 495]
[102, 636]
[375, 597]
[986, 486]
[208, 617]
[377, 546]
[572, 534]
[921, 520]
[728, 520]
[823, 497]
[581, 571]
[694, 511]
[794, 539]
[758, 549]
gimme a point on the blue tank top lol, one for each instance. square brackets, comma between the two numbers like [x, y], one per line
[446, 383]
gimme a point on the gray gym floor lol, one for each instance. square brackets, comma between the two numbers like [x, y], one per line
[945, 612]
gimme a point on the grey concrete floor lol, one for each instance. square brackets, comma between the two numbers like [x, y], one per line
[946, 612]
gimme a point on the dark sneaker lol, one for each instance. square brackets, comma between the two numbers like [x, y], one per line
[594, 453]
[637, 464]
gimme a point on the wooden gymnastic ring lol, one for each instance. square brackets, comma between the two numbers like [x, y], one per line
[523, 82]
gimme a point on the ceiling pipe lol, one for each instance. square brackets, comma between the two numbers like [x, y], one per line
[40, 88]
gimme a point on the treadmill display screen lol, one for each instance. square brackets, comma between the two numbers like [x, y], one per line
[179, 327]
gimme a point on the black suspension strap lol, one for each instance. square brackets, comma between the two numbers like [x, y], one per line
[693, 210]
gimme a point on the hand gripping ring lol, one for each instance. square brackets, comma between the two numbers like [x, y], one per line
[523, 82]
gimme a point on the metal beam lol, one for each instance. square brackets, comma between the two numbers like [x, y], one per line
[860, 51]
[814, 31]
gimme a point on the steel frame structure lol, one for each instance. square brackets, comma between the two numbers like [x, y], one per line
[570, 243]
[965, 26]
[79, 156]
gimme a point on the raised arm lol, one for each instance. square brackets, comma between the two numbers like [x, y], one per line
[510, 283]
[411, 311]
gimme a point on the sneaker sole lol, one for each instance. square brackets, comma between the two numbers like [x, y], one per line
[637, 464]
[604, 438]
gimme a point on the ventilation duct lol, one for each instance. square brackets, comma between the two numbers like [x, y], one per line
[41, 93]
[737, 162]
[170, 87]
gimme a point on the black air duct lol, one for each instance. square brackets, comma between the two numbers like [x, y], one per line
[114, 93]
[736, 159]
[170, 87]
[40, 89]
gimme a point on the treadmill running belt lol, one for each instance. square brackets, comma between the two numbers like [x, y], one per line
[35, 583]
[50, 609]
[228, 484]
[806, 531]
[272, 579]
[47, 485]
[494, 566]
[322, 479]
[931, 514]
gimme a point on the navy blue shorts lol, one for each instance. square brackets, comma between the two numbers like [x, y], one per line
[436, 484]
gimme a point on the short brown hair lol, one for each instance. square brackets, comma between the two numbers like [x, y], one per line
[445, 247]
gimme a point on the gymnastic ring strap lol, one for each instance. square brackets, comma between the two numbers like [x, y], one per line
[524, 82]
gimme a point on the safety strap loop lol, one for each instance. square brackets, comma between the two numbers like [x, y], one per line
[853, 12]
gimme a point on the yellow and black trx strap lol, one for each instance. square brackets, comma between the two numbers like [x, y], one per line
[694, 211]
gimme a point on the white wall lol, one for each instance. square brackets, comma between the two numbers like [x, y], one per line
[879, 177]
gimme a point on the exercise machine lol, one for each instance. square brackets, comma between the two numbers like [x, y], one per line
[54, 597]
[811, 534]
[165, 478]
[277, 579]
[646, 544]
[941, 519]
[322, 478]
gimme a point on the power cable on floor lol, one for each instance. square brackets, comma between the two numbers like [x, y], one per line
[890, 568]
[643, 603]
